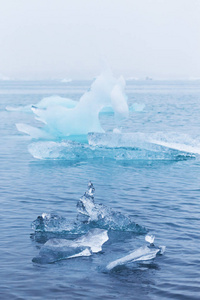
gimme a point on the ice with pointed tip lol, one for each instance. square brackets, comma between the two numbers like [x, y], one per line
[90, 215]
[99, 215]
[149, 238]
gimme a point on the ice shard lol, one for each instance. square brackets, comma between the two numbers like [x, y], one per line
[141, 254]
[58, 249]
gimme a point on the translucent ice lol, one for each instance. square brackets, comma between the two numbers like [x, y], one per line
[44, 104]
[58, 249]
[98, 215]
[115, 145]
[149, 238]
[90, 215]
[65, 120]
[51, 223]
[141, 254]
[94, 239]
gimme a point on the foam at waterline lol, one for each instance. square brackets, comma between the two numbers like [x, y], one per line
[61, 121]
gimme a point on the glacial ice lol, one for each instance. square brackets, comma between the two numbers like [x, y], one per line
[45, 103]
[92, 223]
[58, 249]
[51, 223]
[115, 145]
[141, 254]
[101, 216]
[64, 120]
[94, 239]
[90, 215]
[53, 101]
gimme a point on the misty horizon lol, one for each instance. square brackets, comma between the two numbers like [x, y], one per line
[64, 40]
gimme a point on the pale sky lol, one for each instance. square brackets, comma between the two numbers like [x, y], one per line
[43, 39]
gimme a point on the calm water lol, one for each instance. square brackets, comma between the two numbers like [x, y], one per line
[161, 194]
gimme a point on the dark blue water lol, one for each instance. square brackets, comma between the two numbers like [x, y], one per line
[160, 193]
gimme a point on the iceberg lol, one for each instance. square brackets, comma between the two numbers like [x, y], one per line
[141, 254]
[45, 103]
[58, 249]
[66, 117]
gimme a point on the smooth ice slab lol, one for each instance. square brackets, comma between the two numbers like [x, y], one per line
[58, 249]
[94, 239]
[141, 254]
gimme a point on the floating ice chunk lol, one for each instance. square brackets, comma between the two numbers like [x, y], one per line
[49, 254]
[101, 216]
[90, 215]
[111, 146]
[58, 249]
[51, 223]
[94, 239]
[149, 238]
[141, 254]
[64, 117]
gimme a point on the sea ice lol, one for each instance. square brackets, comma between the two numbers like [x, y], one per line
[65, 117]
[141, 254]
[58, 249]
[90, 215]
[98, 215]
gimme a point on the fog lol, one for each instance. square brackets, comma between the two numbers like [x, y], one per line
[70, 39]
